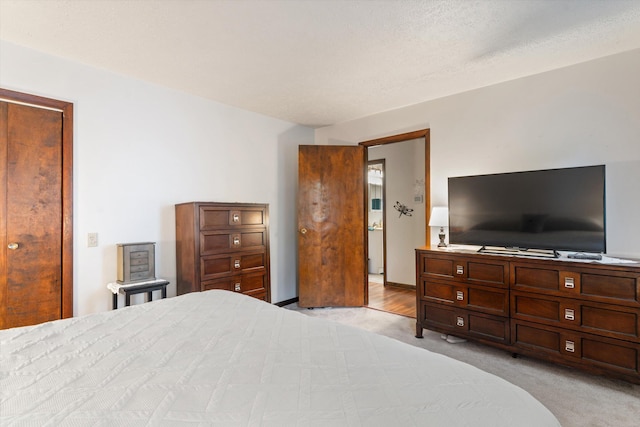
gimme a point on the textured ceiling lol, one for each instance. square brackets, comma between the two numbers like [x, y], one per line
[319, 62]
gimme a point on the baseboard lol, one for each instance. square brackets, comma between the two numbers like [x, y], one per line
[286, 302]
[400, 285]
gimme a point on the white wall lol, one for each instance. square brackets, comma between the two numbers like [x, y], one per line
[581, 115]
[404, 233]
[140, 148]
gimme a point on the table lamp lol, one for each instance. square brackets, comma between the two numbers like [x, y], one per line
[440, 218]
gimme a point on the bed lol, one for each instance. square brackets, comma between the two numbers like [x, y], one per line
[221, 358]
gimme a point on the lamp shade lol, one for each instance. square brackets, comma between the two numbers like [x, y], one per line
[439, 217]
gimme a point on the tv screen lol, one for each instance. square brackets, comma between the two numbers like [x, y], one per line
[555, 209]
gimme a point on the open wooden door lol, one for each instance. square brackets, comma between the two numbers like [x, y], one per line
[332, 250]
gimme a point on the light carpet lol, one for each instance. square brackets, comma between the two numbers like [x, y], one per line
[577, 399]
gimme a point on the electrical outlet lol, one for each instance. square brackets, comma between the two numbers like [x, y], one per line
[92, 240]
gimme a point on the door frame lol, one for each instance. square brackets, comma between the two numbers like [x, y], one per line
[384, 216]
[66, 108]
[422, 133]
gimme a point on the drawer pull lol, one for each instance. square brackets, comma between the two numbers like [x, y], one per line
[459, 269]
[236, 287]
[570, 346]
[236, 217]
[236, 263]
[460, 295]
[236, 241]
[459, 321]
[569, 314]
[569, 283]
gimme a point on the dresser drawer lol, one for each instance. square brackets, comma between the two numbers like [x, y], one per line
[216, 266]
[489, 272]
[216, 217]
[215, 242]
[485, 299]
[601, 353]
[585, 316]
[616, 287]
[542, 279]
[240, 283]
[465, 323]
[258, 294]
[494, 273]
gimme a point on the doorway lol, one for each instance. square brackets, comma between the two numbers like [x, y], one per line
[376, 202]
[398, 167]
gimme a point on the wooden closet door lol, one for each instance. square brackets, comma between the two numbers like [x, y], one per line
[31, 217]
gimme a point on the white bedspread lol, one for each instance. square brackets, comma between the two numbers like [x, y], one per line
[220, 358]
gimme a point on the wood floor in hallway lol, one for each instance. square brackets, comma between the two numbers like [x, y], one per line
[392, 299]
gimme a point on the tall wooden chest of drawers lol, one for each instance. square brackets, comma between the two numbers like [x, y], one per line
[223, 246]
[580, 314]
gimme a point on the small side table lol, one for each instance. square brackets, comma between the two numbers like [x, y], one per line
[137, 288]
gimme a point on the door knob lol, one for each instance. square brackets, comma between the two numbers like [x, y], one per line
[12, 246]
[303, 230]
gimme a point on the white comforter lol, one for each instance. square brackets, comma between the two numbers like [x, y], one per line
[220, 358]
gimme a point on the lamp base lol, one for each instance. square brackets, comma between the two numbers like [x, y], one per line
[441, 235]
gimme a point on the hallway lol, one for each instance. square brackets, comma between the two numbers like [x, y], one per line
[391, 299]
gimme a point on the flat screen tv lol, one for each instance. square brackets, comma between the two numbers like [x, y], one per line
[552, 210]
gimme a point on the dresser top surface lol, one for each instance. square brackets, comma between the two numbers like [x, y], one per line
[473, 251]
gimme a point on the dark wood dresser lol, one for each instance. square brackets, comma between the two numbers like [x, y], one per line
[579, 314]
[223, 246]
